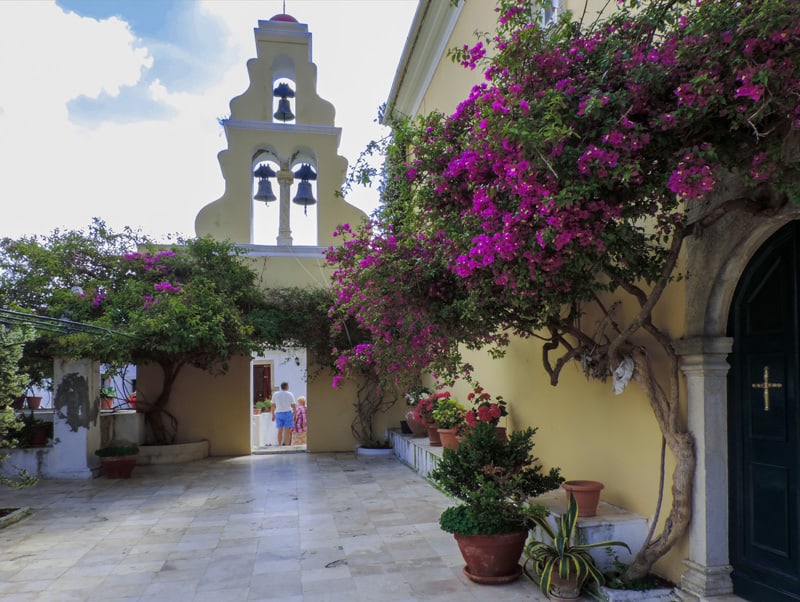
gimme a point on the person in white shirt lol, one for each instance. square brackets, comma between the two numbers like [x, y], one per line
[283, 405]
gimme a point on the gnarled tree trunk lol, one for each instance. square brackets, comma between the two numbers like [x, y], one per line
[681, 444]
[163, 423]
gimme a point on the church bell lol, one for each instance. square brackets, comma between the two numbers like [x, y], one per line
[304, 195]
[284, 92]
[264, 192]
[284, 112]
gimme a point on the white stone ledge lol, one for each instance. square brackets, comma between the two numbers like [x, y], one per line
[610, 522]
[172, 454]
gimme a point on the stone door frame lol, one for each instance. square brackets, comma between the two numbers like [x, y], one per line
[722, 251]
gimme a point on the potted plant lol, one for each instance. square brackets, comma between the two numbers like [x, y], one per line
[107, 395]
[118, 458]
[261, 407]
[32, 400]
[484, 409]
[424, 409]
[560, 566]
[413, 397]
[449, 416]
[32, 432]
[586, 494]
[424, 413]
[494, 480]
[38, 370]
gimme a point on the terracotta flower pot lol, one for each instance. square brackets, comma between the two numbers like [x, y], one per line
[449, 438]
[33, 401]
[106, 403]
[18, 402]
[418, 429]
[40, 435]
[433, 434]
[118, 467]
[587, 495]
[492, 559]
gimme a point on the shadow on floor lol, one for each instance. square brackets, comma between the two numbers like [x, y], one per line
[275, 449]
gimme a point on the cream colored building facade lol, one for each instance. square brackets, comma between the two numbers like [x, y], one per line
[219, 408]
[584, 428]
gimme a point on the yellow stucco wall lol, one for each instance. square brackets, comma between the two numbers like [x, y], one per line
[216, 408]
[451, 82]
[330, 413]
[288, 271]
[584, 428]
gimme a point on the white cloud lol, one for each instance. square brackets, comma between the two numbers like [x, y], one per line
[148, 173]
[51, 57]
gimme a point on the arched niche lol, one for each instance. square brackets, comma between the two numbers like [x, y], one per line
[304, 217]
[273, 222]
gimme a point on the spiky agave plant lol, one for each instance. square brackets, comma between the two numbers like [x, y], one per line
[560, 556]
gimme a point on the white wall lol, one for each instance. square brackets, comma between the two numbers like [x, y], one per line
[285, 368]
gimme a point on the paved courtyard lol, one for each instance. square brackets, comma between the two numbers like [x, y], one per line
[291, 527]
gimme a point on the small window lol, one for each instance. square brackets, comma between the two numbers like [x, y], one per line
[549, 13]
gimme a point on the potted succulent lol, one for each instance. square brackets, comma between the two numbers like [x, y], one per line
[559, 566]
[449, 417]
[494, 480]
[118, 458]
[260, 407]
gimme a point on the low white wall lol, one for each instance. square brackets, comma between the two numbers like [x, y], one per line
[172, 454]
[59, 459]
[36, 461]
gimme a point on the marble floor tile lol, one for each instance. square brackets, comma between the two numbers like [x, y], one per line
[274, 527]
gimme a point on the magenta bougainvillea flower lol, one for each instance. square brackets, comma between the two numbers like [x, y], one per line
[565, 173]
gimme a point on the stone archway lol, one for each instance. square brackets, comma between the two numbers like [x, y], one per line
[715, 261]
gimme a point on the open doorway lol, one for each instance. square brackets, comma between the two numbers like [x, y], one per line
[267, 372]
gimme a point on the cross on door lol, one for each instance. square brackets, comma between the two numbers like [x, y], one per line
[766, 386]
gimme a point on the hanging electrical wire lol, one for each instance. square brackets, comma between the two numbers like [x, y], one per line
[46, 324]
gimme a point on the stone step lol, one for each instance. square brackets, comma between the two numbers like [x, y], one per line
[611, 522]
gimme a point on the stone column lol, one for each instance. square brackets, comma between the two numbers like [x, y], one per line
[76, 422]
[704, 364]
[285, 178]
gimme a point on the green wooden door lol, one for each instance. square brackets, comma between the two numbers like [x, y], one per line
[763, 424]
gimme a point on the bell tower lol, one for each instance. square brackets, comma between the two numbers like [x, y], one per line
[280, 133]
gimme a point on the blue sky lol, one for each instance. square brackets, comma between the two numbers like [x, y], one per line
[188, 48]
[109, 107]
